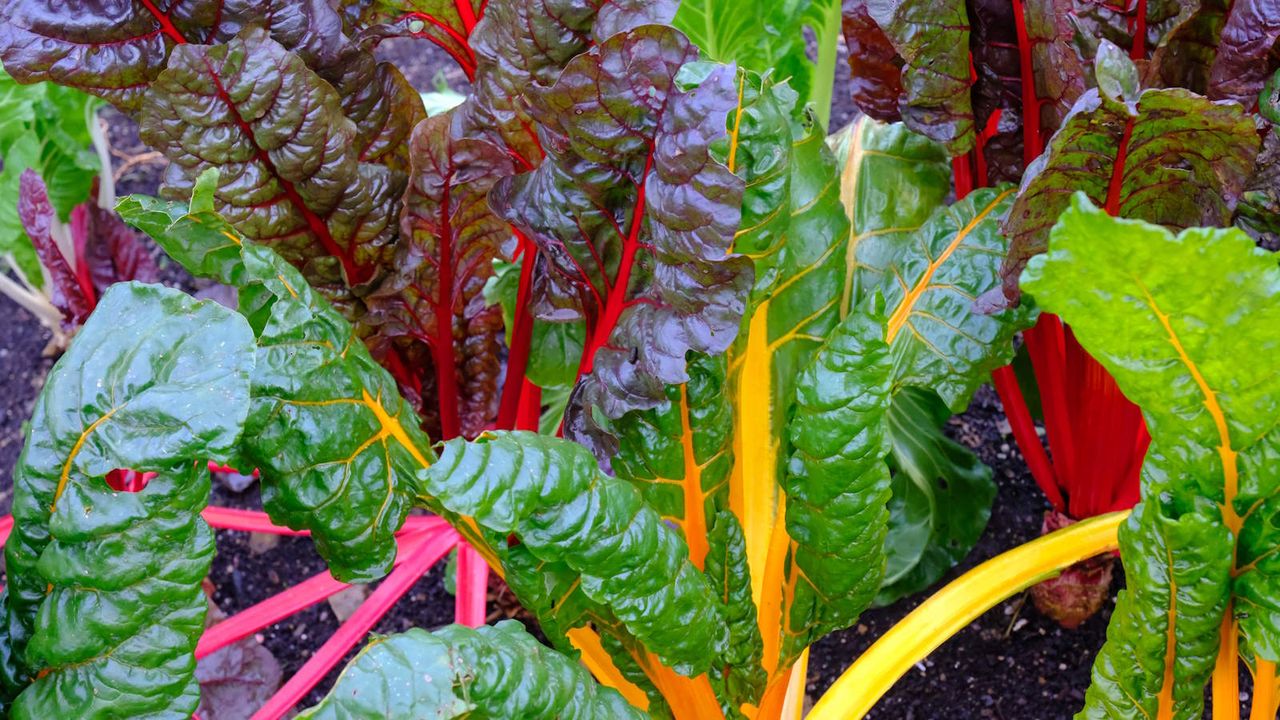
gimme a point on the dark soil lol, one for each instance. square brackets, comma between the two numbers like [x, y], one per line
[1011, 663]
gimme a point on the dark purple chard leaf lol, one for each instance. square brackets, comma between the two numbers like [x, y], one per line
[448, 242]
[1248, 53]
[113, 251]
[38, 219]
[634, 216]
[1167, 156]
[876, 66]
[290, 174]
[519, 45]
[932, 39]
[447, 23]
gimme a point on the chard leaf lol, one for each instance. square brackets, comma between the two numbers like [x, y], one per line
[1187, 50]
[337, 446]
[40, 223]
[741, 677]
[551, 495]
[448, 242]
[520, 45]
[891, 181]
[1162, 640]
[1246, 51]
[113, 251]
[1174, 347]
[447, 23]
[290, 172]
[635, 218]
[932, 43]
[554, 348]
[104, 600]
[942, 496]
[997, 91]
[837, 483]
[1259, 210]
[1169, 157]
[937, 341]
[1059, 72]
[679, 454]
[490, 672]
[757, 37]
[874, 63]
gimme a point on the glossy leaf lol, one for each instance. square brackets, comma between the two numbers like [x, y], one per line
[290, 175]
[942, 495]
[455, 672]
[679, 454]
[937, 340]
[1167, 156]
[873, 62]
[1173, 346]
[520, 46]
[449, 240]
[1246, 52]
[1259, 210]
[447, 23]
[837, 483]
[106, 586]
[74, 301]
[337, 446]
[891, 181]
[113, 251]
[551, 495]
[1187, 50]
[1060, 74]
[932, 44]
[1162, 640]
[634, 216]
[741, 679]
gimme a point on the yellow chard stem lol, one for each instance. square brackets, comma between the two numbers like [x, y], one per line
[957, 605]
[1266, 700]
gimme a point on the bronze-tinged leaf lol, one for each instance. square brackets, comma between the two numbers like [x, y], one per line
[448, 242]
[290, 173]
[634, 216]
[1248, 52]
[876, 66]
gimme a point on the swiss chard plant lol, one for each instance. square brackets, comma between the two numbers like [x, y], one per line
[1151, 109]
[60, 242]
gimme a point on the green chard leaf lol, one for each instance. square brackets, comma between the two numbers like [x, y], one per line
[1173, 342]
[337, 446]
[1166, 156]
[942, 495]
[104, 603]
[741, 679]
[551, 495]
[1259, 210]
[634, 217]
[499, 672]
[837, 483]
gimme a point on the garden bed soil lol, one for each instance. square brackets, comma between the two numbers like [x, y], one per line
[1011, 663]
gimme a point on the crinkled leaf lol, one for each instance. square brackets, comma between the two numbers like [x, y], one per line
[932, 43]
[1173, 341]
[942, 496]
[1171, 157]
[1246, 52]
[455, 672]
[1187, 50]
[520, 46]
[551, 495]
[1059, 73]
[41, 224]
[741, 679]
[837, 483]
[634, 216]
[448, 242]
[891, 181]
[679, 454]
[107, 585]
[291, 176]
[937, 339]
[1177, 570]
[337, 446]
